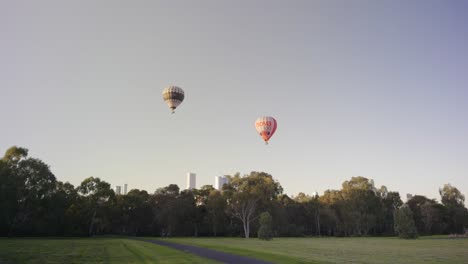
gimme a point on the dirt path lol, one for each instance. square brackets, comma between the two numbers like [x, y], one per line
[208, 253]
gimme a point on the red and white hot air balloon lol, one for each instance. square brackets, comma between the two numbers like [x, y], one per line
[266, 127]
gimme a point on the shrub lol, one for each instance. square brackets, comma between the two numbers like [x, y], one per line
[265, 232]
[404, 223]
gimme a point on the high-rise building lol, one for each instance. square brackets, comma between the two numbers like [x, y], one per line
[220, 181]
[118, 190]
[191, 180]
[125, 188]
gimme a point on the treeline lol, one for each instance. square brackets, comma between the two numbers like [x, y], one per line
[34, 203]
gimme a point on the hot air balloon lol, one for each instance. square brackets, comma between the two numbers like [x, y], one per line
[266, 127]
[173, 96]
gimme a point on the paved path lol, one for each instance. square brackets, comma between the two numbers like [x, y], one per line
[208, 253]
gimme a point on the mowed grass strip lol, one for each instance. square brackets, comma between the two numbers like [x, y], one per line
[245, 247]
[90, 250]
[341, 250]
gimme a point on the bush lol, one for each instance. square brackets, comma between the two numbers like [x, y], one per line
[265, 232]
[404, 223]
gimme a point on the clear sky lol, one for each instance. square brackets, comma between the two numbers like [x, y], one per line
[359, 88]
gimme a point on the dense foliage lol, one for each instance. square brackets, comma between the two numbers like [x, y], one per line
[265, 231]
[34, 203]
[404, 223]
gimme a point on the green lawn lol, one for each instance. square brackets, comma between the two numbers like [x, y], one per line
[89, 250]
[279, 250]
[341, 250]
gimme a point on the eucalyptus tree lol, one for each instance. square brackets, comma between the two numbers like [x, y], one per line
[457, 214]
[98, 195]
[215, 207]
[32, 185]
[246, 195]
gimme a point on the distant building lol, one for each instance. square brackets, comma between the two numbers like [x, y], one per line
[125, 189]
[191, 180]
[118, 190]
[220, 181]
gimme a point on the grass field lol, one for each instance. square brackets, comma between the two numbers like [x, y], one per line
[341, 250]
[89, 250]
[279, 250]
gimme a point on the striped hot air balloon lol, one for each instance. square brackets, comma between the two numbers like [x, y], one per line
[173, 96]
[266, 127]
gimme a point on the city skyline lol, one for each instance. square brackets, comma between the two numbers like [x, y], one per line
[374, 89]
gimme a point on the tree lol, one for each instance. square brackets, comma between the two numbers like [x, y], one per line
[133, 213]
[457, 214]
[9, 197]
[428, 216]
[358, 183]
[246, 194]
[63, 197]
[390, 203]
[215, 207]
[175, 212]
[164, 209]
[187, 215]
[15, 155]
[332, 201]
[265, 232]
[98, 194]
[201, 218]
[451, 196]
[34, 203]
[33, 184]
[313, 208]
[290, 216]
[416, 204]
[310, 206]
[362, 206]
[404, 223]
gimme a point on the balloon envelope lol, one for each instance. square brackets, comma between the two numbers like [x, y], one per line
[266, 127]
[173, 96]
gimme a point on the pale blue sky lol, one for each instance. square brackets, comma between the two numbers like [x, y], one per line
[370, 88]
